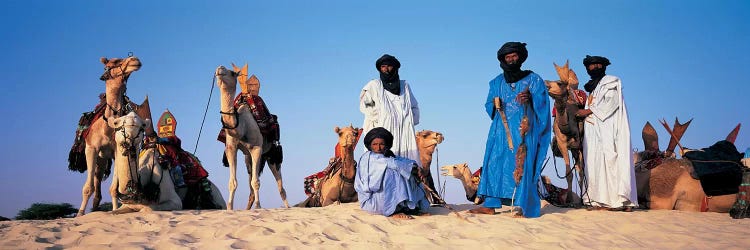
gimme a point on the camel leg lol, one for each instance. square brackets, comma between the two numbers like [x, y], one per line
[276, 171]
[113, 191]
[248, 166]
[91, 154]
[255, 153]
[97, 191]
[231, 152]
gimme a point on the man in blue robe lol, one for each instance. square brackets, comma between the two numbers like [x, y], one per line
[387, 184]
[520, 92]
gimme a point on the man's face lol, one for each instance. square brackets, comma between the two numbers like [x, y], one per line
[386, 69]
[253, 88]
[377, 146]
[511, 58]
[594, 66]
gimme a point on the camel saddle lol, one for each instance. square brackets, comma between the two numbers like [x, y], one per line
[718, 168]
[77, 155]
[172, 155]
[267, 122]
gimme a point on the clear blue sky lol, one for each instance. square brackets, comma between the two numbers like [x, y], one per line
[676, 59]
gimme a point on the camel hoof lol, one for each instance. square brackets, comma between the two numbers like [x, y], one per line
[80, 213]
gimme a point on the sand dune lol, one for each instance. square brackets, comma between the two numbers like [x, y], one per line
[345, 226]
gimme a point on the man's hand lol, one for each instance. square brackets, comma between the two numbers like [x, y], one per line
[583, 113]
[523, 97]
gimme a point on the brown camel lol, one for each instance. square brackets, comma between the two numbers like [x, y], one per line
[100, 142]
[337, 185]
[427, 141]
[568, 130]
[664, 182]
[243, 133]
[462, 172]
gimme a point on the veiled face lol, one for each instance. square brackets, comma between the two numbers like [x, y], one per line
[511, 58]
[377, 145]
[386, 69]
[594, 66]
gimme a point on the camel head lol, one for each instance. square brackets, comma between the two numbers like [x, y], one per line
[455, 170]
[567, 75]
[129, 130]
[556, 89]
[116, 67]
[226, 79]
[427, 141]
[348, 136]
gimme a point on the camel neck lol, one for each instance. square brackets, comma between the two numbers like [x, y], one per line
[227, 99]
[347, 159]
[466, 173]
[115, 90]
[126, 168]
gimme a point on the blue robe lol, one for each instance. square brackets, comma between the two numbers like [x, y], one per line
[384, 184]
[499, 161]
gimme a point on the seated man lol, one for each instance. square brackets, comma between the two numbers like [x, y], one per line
[387, 184]
[186, 170]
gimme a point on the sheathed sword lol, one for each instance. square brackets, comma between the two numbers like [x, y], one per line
[498, 107]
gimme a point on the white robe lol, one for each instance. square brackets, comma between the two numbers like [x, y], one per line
[606, 148]
[396, 113]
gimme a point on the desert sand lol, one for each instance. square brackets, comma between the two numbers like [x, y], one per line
[346, 226]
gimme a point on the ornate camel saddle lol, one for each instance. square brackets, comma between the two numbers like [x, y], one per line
[267, 122]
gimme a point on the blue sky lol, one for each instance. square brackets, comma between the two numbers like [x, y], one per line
[676, 59]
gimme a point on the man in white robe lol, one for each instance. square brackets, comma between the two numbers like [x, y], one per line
[606, 144]
[389, 103]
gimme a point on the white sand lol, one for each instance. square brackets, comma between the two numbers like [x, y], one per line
[346, 226]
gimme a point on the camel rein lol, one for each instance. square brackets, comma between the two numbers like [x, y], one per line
[204, 114]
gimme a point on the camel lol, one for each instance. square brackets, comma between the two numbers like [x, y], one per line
[668, 183]
[427, 141]
[99, 142]
[243, 133]
[462, 172]
[337, 184]
[567, 129]
[140, 182]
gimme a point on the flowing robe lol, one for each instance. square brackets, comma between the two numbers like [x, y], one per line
[384, 184]
[499, 160]
[606, 148]
[396, 113]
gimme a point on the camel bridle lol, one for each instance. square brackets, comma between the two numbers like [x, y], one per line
[135, 190]
[232, 112]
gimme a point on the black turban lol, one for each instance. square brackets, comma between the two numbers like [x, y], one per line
[381, 133]
[513, 73]
[596, 74]
[594, 60]
[387, 60]
[391, 81]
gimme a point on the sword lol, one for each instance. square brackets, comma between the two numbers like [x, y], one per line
[498, 107]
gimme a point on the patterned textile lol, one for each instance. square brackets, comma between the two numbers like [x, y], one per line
[741, 207]
[77, 155]
[267, 122]
[312, 182]
[172, 155]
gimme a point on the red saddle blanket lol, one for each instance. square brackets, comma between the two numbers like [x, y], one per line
[312, 182]
[267, 122]
[77, 155]
[172, 155]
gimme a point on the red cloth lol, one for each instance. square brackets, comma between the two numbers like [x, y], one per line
[192, 170]
[267, 122]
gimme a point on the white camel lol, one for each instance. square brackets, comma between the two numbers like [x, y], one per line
[243, 133]
[140, 182]
[99, 142]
